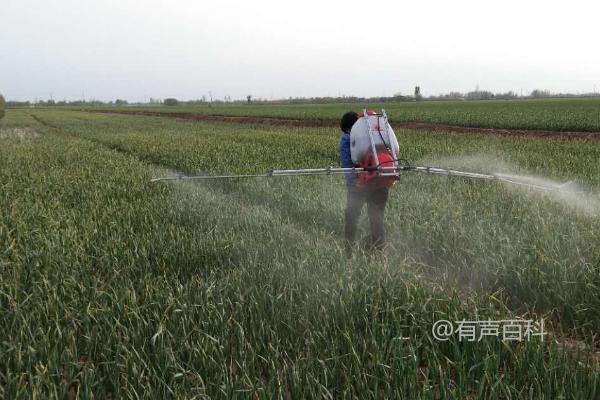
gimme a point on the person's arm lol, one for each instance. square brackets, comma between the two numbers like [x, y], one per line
[345, 155]
[346, 160]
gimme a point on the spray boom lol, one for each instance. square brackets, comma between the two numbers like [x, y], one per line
[382, 171]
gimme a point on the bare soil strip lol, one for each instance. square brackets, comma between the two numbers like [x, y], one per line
[417, 126]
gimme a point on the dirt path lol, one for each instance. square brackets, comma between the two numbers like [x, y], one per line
[417, 126]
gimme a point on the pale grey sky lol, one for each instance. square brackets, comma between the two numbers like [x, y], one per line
[273, 49]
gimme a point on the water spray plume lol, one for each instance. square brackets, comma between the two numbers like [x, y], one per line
[568, 193]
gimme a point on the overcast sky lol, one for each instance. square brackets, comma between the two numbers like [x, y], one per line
[273, 49]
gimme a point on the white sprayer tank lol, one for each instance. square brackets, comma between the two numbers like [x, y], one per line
[382, 133]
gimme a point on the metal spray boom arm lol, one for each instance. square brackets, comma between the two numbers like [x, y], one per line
[330, 171]
[383, 171]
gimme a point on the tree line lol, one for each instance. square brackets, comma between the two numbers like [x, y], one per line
[2, 106]
[170, 101]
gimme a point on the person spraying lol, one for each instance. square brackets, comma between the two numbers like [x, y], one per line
[367, 141]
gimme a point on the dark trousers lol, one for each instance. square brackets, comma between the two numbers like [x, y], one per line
[376, 199]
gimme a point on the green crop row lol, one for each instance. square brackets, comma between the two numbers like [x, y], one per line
[552, 115]
[112, 286]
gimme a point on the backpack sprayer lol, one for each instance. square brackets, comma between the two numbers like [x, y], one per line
[375, 149]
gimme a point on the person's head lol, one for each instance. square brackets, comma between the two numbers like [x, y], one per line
[348, 120]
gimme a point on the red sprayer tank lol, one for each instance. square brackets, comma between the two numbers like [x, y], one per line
[373, 143]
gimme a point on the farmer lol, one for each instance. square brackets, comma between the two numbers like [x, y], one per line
[374, 195]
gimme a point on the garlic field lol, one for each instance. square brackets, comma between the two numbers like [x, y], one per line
[115, 287]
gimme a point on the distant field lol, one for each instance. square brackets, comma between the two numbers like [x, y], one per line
[113, 287]
[553, 115]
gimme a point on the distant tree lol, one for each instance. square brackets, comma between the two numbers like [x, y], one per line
[171, 102]
[249, 98]
[453, 96]
[18, 103]
[120, 102]
[538, 94]
[506, 96]
[2, 105]
[479, 95]
[397, 97]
